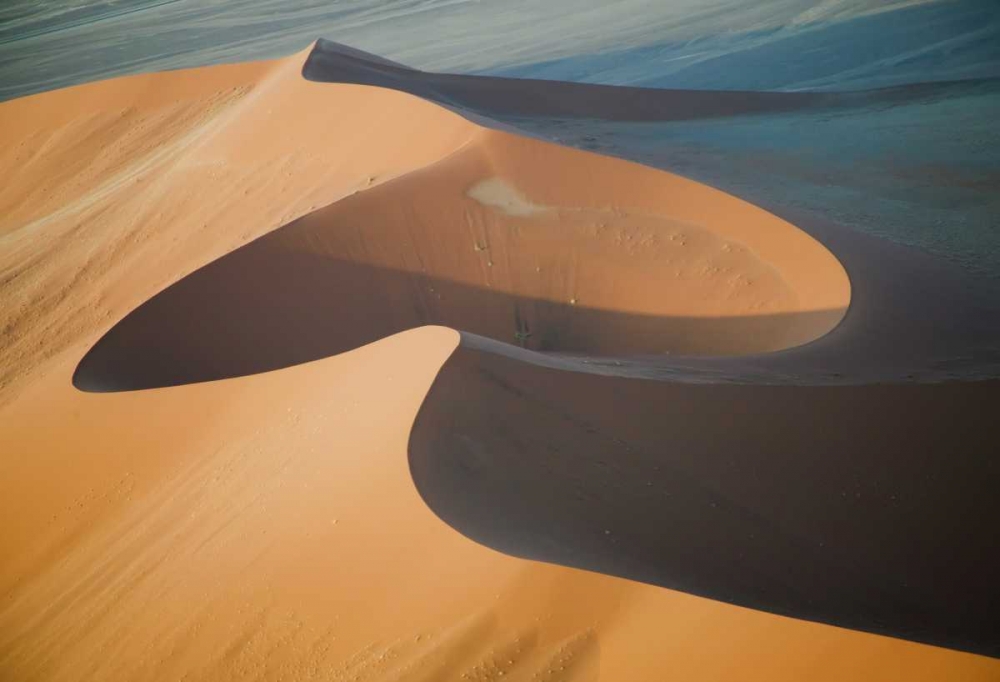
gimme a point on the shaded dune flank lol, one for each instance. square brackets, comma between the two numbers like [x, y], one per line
[493, 96]
[848, 505]
[594, 256]
[487, 95]
[289, 523]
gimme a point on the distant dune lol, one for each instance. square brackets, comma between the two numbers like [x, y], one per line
[234, 457]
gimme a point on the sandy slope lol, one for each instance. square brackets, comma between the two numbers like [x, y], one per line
[267, 526]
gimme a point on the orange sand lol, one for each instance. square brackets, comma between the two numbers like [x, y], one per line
[266, 527]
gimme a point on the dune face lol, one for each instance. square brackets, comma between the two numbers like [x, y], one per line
[757, 495]
[313, 522]
[602, 258]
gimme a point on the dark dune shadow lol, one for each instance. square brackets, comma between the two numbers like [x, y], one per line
[868, 507]
[270, 305]
[330, 62]
[490, 96]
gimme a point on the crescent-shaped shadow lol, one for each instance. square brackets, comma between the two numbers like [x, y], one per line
[623, 261]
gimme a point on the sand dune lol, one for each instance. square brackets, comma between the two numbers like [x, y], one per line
[603, 257]
[268, 526]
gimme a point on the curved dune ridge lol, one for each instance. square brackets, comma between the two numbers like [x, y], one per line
[166, 229]
[544, 247]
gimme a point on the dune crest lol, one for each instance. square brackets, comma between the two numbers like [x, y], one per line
[621, 260]
[268, 526]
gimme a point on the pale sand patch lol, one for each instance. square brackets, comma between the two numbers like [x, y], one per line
[496, 193]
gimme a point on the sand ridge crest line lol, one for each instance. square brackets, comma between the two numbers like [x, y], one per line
[404, 241]
[494, 142]
[219, 113]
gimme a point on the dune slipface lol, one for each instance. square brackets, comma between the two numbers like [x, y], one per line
[594, 256]
[210, 226]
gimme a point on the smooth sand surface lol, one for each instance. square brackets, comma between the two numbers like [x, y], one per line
[851, 505]
[267, 526]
